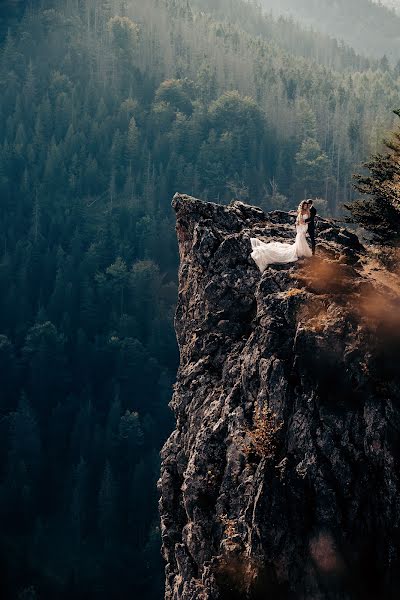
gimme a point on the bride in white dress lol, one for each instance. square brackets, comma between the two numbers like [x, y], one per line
[265, 254]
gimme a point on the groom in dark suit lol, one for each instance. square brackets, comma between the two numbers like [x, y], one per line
[311, 224]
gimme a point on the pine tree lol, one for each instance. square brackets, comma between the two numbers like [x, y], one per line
[311, 168]
[106, 506]
[24, 460]
[79, 503]
[44, 357]
[130, 434]
[111, 433]
[379, 212]
[119, 276]
[8, 369]
[132, 144]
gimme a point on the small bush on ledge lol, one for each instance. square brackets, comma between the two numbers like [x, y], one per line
[263, 436]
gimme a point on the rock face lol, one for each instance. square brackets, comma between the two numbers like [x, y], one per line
[317, 342]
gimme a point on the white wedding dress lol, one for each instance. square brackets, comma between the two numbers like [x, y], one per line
[265, 254]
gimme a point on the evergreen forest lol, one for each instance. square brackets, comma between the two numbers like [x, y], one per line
[369, 26]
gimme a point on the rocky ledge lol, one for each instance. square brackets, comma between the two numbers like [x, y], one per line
[281, 479]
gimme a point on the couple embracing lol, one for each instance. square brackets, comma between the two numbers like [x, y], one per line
[265, 254]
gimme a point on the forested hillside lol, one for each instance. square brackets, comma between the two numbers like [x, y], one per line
[106, 109]
[368, 26]
[287, 34]
[11, 12]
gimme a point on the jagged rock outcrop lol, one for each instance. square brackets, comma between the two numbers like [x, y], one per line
[317, 342]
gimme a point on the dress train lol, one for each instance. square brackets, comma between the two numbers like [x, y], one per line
[265, 254]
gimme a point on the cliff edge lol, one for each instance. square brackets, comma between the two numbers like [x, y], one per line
[281, 478]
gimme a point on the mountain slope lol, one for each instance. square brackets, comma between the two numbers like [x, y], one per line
[369, 28]
[286, 33]
[301, 501]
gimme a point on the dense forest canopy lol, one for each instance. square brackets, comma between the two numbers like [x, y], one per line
[106, 109]
[288, 34]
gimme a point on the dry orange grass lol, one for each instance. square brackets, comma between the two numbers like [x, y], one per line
[264, 433]
[318, 322]
[230, 526]
[293, 292]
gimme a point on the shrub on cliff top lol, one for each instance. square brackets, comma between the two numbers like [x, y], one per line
[379, 210]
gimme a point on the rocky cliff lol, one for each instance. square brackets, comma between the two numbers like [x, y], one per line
[281, 479]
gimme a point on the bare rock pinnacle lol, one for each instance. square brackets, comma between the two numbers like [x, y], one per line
[281, 478]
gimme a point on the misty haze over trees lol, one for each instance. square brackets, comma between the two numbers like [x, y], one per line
[107, 108]
[393, 4]
[369, 27]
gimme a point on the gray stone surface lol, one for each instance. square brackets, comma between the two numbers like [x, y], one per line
[318, 342]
